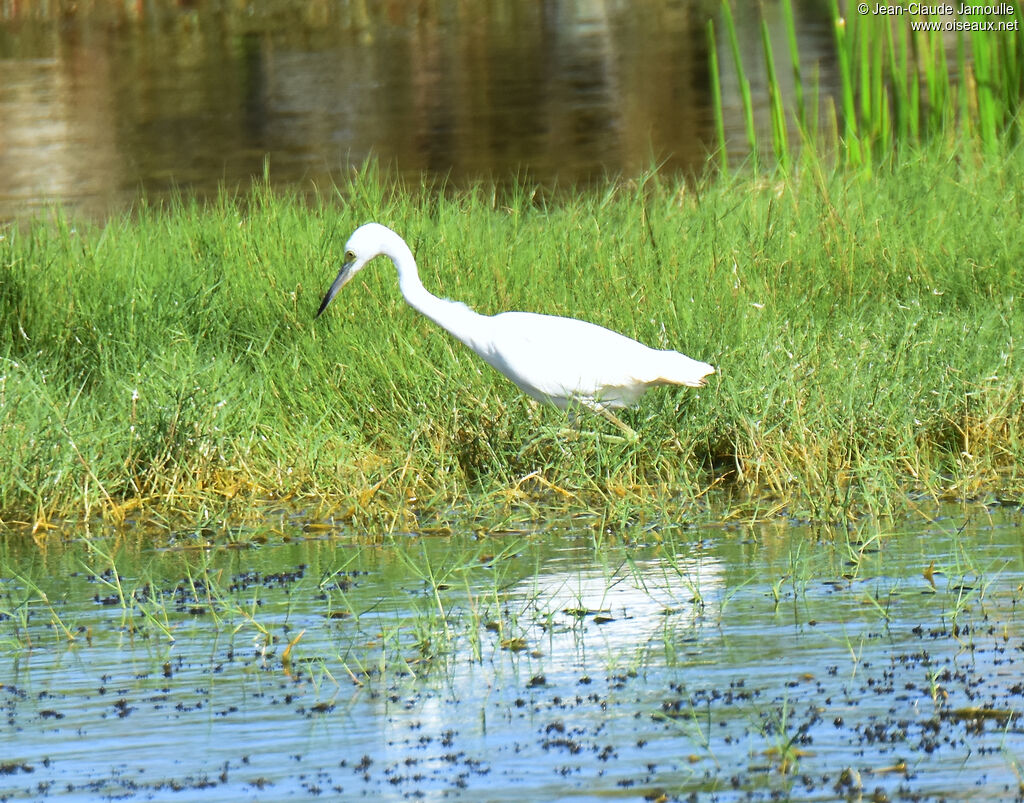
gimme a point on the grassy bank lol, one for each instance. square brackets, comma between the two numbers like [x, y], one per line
[867, 334]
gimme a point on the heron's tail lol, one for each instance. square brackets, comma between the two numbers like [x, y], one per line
[678, 369]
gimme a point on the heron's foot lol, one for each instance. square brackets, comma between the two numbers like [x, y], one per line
[608, 415]
[568, 434]
[575, 434]
[609, 438]
[556, 437]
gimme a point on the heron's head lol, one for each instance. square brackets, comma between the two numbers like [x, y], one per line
[366, 242]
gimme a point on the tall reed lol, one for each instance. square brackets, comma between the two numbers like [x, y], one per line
[897, 84]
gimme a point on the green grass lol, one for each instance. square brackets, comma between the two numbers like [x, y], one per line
[867, 336]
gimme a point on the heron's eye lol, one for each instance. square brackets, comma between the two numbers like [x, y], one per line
[350, 257]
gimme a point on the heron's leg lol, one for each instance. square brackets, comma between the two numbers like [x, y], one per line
[608, 415]
[542, 434]
[576, 431]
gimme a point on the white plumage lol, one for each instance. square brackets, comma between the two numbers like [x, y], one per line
[562, 361]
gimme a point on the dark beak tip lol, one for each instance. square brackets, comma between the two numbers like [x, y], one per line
[323, 304]
[336, 285]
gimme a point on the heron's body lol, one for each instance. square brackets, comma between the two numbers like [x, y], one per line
[562, 361]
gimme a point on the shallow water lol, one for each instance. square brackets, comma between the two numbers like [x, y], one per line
[713, 664]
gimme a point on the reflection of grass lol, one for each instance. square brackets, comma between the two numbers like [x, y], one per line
[696, 726]
[450, 600]
[19, 613]
[1013, 761]
[152, 610]
[711, 686]
[785, 752]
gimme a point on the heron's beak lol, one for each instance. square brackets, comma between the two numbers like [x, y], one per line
[344, 275]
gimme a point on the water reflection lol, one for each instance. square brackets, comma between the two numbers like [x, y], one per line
[99, 102]
[722, 650]
[624, 613]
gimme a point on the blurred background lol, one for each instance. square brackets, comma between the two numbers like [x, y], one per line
[104, 102]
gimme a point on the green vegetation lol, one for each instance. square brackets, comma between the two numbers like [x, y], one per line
[863, 316]
[905, 80]
[867, 336]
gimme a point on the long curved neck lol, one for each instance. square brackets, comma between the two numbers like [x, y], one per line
[452, 316]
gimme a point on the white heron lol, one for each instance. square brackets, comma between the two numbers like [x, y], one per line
[561, 361]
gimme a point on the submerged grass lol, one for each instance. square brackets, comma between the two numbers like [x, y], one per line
[688, 644]
[168, 361]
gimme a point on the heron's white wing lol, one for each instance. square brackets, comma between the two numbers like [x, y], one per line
[560, 359]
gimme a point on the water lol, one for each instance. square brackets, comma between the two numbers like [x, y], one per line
[715, 664]
[103, 103]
